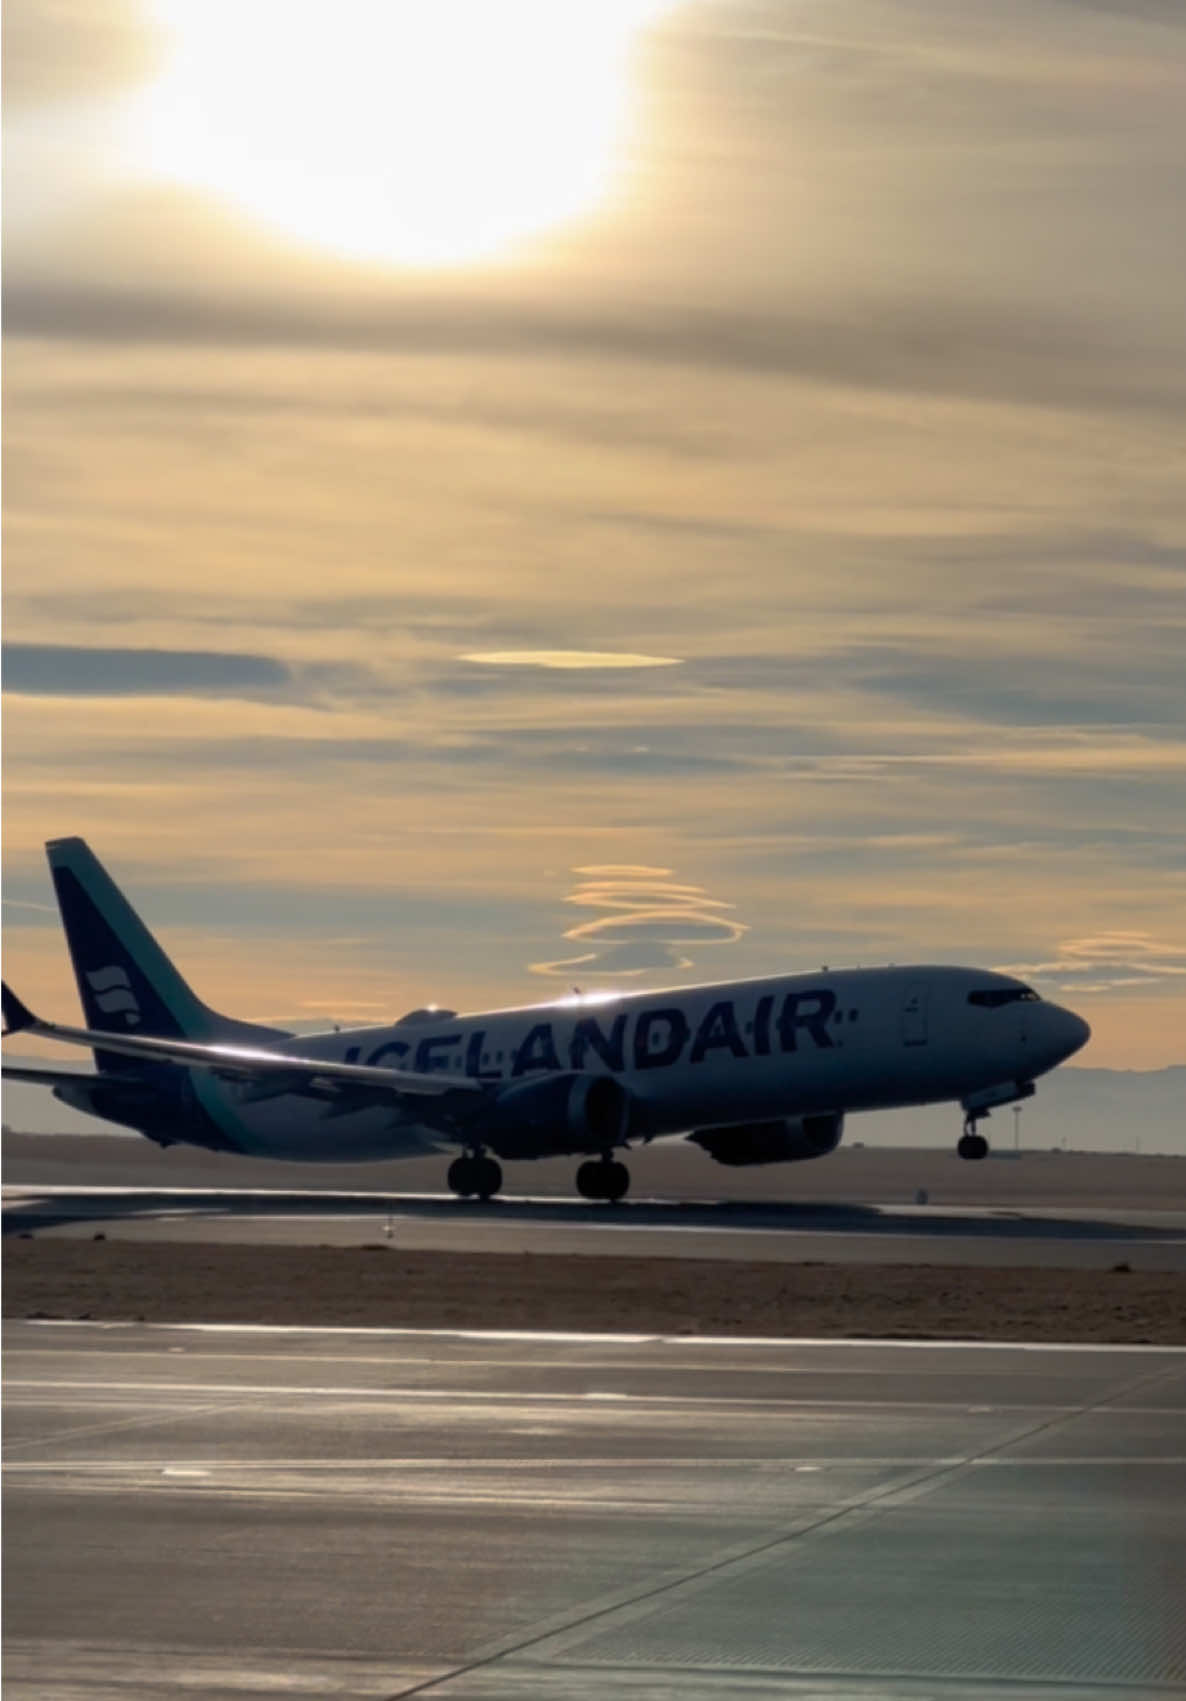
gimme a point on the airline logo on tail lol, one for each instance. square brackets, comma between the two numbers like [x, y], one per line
[113, 993]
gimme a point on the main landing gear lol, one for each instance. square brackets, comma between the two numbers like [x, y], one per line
[603, 1178]
[475, 1174]
[971, 1145]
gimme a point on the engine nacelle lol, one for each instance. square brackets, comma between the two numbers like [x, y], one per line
[553, 1114]
[787, 1140]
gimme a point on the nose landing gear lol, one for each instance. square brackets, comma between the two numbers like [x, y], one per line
[475, 1174]
[603, 1178]
[971, 1145]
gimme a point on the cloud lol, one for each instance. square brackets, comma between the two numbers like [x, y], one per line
[863, 399]
[1167, 14]
[1047, 692]
[1114, 960]
[648, 923]
[941, 349]
[895, 203]
[63, 670]
[568, 660]
[73, 49]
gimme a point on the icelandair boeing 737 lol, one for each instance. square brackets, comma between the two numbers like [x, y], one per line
[754, 1071]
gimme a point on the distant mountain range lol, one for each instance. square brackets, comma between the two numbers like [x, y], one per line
[1090, 1110]
[1086, 1110]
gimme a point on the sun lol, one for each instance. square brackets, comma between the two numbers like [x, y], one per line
[416, 132]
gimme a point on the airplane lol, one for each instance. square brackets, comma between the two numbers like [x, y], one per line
[753, 1071]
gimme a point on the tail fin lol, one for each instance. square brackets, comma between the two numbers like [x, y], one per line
[125, 980]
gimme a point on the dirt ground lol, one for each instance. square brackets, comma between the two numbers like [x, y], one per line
[378, 1285]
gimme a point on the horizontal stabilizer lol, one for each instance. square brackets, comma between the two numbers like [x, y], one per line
[17, 1016]
[49, 1077]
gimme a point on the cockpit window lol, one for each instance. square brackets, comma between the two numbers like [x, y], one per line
[994, 996]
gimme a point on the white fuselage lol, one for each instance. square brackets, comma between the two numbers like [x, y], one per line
[690, 1057]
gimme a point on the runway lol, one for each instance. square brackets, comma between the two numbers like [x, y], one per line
[860, 1207]
[375, 1513]
[776, 1231]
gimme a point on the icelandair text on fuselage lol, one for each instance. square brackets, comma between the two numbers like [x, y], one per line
[653, 1038]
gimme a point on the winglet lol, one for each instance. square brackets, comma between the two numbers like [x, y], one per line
[16, 1014]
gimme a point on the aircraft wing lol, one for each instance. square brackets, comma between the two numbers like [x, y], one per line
[271, 1072]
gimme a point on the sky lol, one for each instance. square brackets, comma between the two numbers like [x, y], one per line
[499, 499]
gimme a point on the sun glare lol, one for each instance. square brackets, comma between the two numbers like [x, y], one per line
[419, 132]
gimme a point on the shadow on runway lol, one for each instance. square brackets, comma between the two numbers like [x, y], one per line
[31, 1209]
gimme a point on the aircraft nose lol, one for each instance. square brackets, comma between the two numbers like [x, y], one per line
[1071, 1033]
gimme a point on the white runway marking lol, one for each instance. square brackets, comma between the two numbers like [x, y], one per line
[478, 1466]
[864, 1343]
[484, 1397]
[453, 1397]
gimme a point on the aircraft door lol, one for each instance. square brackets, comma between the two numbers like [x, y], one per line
[914, 1014]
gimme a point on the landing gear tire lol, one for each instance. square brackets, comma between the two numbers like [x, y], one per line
[476, 1174]
[589, 1180]
[489, 1178]
[603, 1179]
[615, 1182]
[460, 1177]
[972, 1146]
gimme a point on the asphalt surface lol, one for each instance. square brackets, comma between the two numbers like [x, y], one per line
[785, 1233]
[372, 1513]
[668, 1170]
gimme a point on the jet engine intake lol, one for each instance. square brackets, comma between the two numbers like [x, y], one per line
[553, 1114]
[787, 1140]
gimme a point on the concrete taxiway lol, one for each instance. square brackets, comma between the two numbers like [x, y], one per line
[374, 1513]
